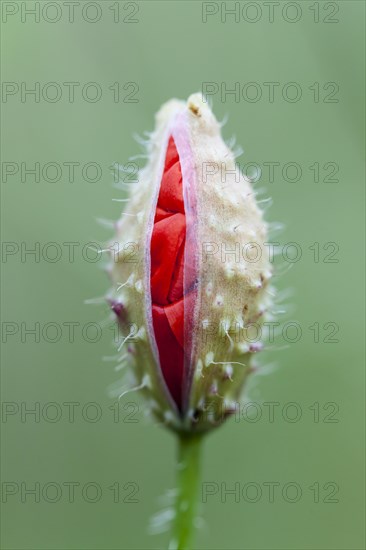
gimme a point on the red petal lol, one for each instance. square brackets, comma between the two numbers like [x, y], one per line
[171, 354]
[160, 214]
[171, 156]
[176, 285]
[171, 196]
[175, 313]
[167, 237]
[167, 269]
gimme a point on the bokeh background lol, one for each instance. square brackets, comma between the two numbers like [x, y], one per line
[169, 51]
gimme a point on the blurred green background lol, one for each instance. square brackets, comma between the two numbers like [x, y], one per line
[170, 52]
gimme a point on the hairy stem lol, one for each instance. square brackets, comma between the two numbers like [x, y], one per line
[188, 475]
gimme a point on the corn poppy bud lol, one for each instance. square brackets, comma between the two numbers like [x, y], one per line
[190, 275]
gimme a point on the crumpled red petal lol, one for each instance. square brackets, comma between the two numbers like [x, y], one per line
[167, 269]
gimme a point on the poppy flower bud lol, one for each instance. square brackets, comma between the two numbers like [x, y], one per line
[190, 275]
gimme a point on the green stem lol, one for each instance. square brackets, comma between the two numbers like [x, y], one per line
[188, 475]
